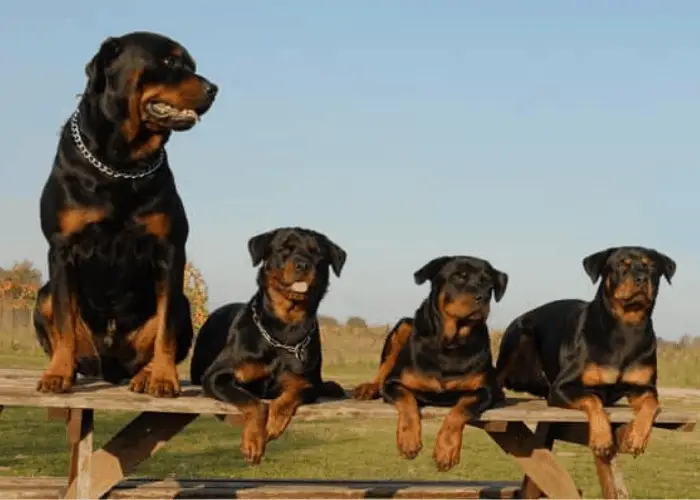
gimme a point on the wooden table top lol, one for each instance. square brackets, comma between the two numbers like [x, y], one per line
[18, 388]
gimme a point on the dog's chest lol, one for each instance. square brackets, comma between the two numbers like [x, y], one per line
[595, 375]
[448, 363]
[114, 246]
[115, 263]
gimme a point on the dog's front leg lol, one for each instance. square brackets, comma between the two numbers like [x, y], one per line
[62, 322]
[164, 379]
[285, 406]
[646, 406]
[159, 377]
[408, 426]
[575, 396]
[448, 445]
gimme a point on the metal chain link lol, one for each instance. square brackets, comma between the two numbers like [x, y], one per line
[297, 349]
[77, 138]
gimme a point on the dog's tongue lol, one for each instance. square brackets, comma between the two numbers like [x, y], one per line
[299, 286]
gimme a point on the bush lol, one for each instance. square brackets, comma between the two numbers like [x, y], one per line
[356, 322]
[327, 321]
[197, 292]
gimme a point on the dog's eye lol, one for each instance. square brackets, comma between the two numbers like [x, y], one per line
[170, 62]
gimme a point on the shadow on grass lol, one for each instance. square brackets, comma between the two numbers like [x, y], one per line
[231, 488]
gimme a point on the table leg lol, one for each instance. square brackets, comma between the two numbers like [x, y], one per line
[58, 414]
[539, 464]
[544, 439]
[137, 441]
[80, 427]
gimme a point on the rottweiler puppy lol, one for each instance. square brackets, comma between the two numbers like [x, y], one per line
[270, 347]
[113, 306]
[588, 355]
[442, 356]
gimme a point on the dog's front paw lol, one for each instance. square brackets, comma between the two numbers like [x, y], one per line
[636, 439]
[366, 392]
[253, 437]
[55, 382]
[139, 382]
[158, 381]
[408, 439]
[279, 417]
[448, 447]
[601, 442]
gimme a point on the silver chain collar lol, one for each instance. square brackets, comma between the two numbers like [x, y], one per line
[78, 139]
[297, 350]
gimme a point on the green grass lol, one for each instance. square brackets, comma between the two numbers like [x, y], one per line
[352, 449]
[328, 449]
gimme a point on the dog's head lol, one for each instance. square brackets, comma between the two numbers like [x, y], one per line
[296, 263]
[461, 291]
[630, 279]
[146, 86]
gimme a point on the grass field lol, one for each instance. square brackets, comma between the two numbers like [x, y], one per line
[361, 449]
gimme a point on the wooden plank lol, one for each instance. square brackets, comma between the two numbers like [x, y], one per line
[80, 432]
[539, 464]
[137, 441]
[222, 488]
[544, 438]
[18, 388]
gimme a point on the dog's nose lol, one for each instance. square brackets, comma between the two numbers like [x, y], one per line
[301, 265]
[640, 279]
[210, 89]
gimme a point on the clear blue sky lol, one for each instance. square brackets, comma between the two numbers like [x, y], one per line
[527, 133]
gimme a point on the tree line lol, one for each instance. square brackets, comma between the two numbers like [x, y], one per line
[20, 283]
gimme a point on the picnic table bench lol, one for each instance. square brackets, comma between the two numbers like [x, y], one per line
[94, 473]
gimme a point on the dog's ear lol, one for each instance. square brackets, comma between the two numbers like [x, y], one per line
[430, 270]
[259, 246]
[500, 283]
[666, 265]
[336, 255]
[95, 69]
[595, 263]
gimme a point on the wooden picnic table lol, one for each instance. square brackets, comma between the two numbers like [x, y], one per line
[94, 473]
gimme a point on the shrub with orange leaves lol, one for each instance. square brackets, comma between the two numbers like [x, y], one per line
[19, 285]
[197, 292]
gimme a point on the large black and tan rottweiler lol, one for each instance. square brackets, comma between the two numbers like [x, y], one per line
[270, 347]
[113, 305]
[442, 356]
[587, 355]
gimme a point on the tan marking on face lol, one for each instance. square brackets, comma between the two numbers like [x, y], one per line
[453, 311]
[190, 93]
[624, 291]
